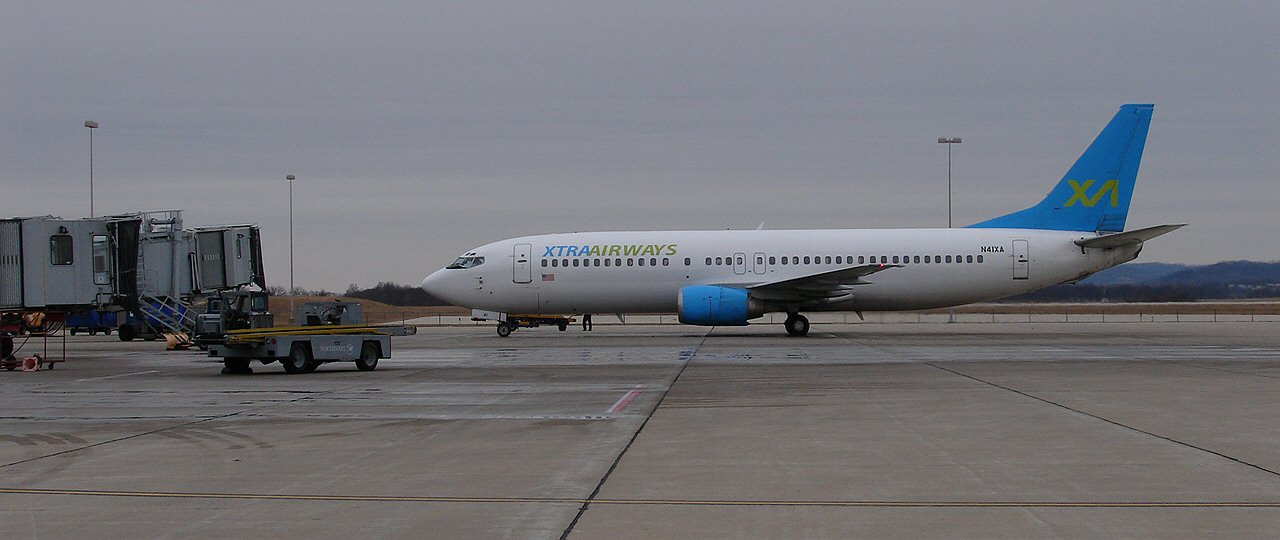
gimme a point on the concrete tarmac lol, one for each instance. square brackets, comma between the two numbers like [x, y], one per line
[1077, 430]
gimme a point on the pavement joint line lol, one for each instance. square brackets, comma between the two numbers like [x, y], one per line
[643, 502]
[1107, 420]
[309, 395]
[118, 376]
[686, 356]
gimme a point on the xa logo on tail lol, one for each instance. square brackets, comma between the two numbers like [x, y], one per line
[1081, 193]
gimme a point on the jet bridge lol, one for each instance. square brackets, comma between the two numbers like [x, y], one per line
[139, 270]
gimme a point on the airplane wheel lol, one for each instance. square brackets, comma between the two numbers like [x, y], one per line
[127, 332]
[797, 325]
[563, 326]
[504, 329]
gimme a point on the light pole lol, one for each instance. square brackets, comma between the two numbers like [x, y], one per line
[290, 179]
[92, 126]
[949, 142]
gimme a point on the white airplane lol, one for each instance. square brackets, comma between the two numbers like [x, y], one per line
[715, 278]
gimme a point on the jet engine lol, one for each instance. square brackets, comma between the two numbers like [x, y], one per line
[711, 305]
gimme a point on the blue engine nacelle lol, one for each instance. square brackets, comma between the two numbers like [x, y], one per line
[711, 305]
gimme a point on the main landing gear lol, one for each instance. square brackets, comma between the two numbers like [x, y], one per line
[796, 324]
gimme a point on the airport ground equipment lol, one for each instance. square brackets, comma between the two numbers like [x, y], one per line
[91, 321]
[509, 322]
[137, 273]
[238, 329]
[17, 328]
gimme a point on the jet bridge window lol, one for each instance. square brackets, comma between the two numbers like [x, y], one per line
[60, 253]
[101, 260]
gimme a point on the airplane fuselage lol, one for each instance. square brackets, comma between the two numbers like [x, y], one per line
[643, 272]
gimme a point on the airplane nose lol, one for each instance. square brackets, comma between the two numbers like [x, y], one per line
[436, 285]
[431, 283]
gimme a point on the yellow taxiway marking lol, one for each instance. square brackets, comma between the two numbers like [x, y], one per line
[651, 502]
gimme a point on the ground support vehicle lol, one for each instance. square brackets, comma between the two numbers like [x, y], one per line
[302, 349]
[238, 328]
[91, 321]
[509, 322]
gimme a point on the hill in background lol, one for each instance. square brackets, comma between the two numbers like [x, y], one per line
[1162, 282]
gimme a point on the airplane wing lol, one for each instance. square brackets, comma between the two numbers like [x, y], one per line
[1127, 238]
[831, 286]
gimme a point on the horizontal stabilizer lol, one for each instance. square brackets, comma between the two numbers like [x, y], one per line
[1128, 238]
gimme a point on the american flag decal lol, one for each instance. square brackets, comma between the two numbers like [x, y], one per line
[548, 277]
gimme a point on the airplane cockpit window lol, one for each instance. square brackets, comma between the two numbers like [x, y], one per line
[466, 262]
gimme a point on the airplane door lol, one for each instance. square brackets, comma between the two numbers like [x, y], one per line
[739, 263]
[759, 266]
[1021, 260]
[521, 270]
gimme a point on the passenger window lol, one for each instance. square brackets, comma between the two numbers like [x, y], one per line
[839, 259]
[708, 261]
[719, 261]
[773, 260]
[784, 261]
[653, 261]
[806, 259]
[861, 259]
[597, 263]
[948, 258]
[60, 253]
[631, 262]
[688, 261]
[641, 262]
[968, 258]
[575, 263]
[917, 259]
[564, 263]
[979, 259]
[544, 263]
[666, 261]
[607, 261]
[895, 259]
[555, 263]
[739, 261]
[617, 262]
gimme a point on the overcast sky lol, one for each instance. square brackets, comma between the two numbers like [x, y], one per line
[422, 129]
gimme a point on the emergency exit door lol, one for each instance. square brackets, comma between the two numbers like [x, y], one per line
[521, 270]
[1021, 259]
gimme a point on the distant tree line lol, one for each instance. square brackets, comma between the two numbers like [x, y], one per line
[396, 295]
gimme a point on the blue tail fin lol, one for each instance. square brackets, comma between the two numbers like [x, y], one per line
[1094, 195]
